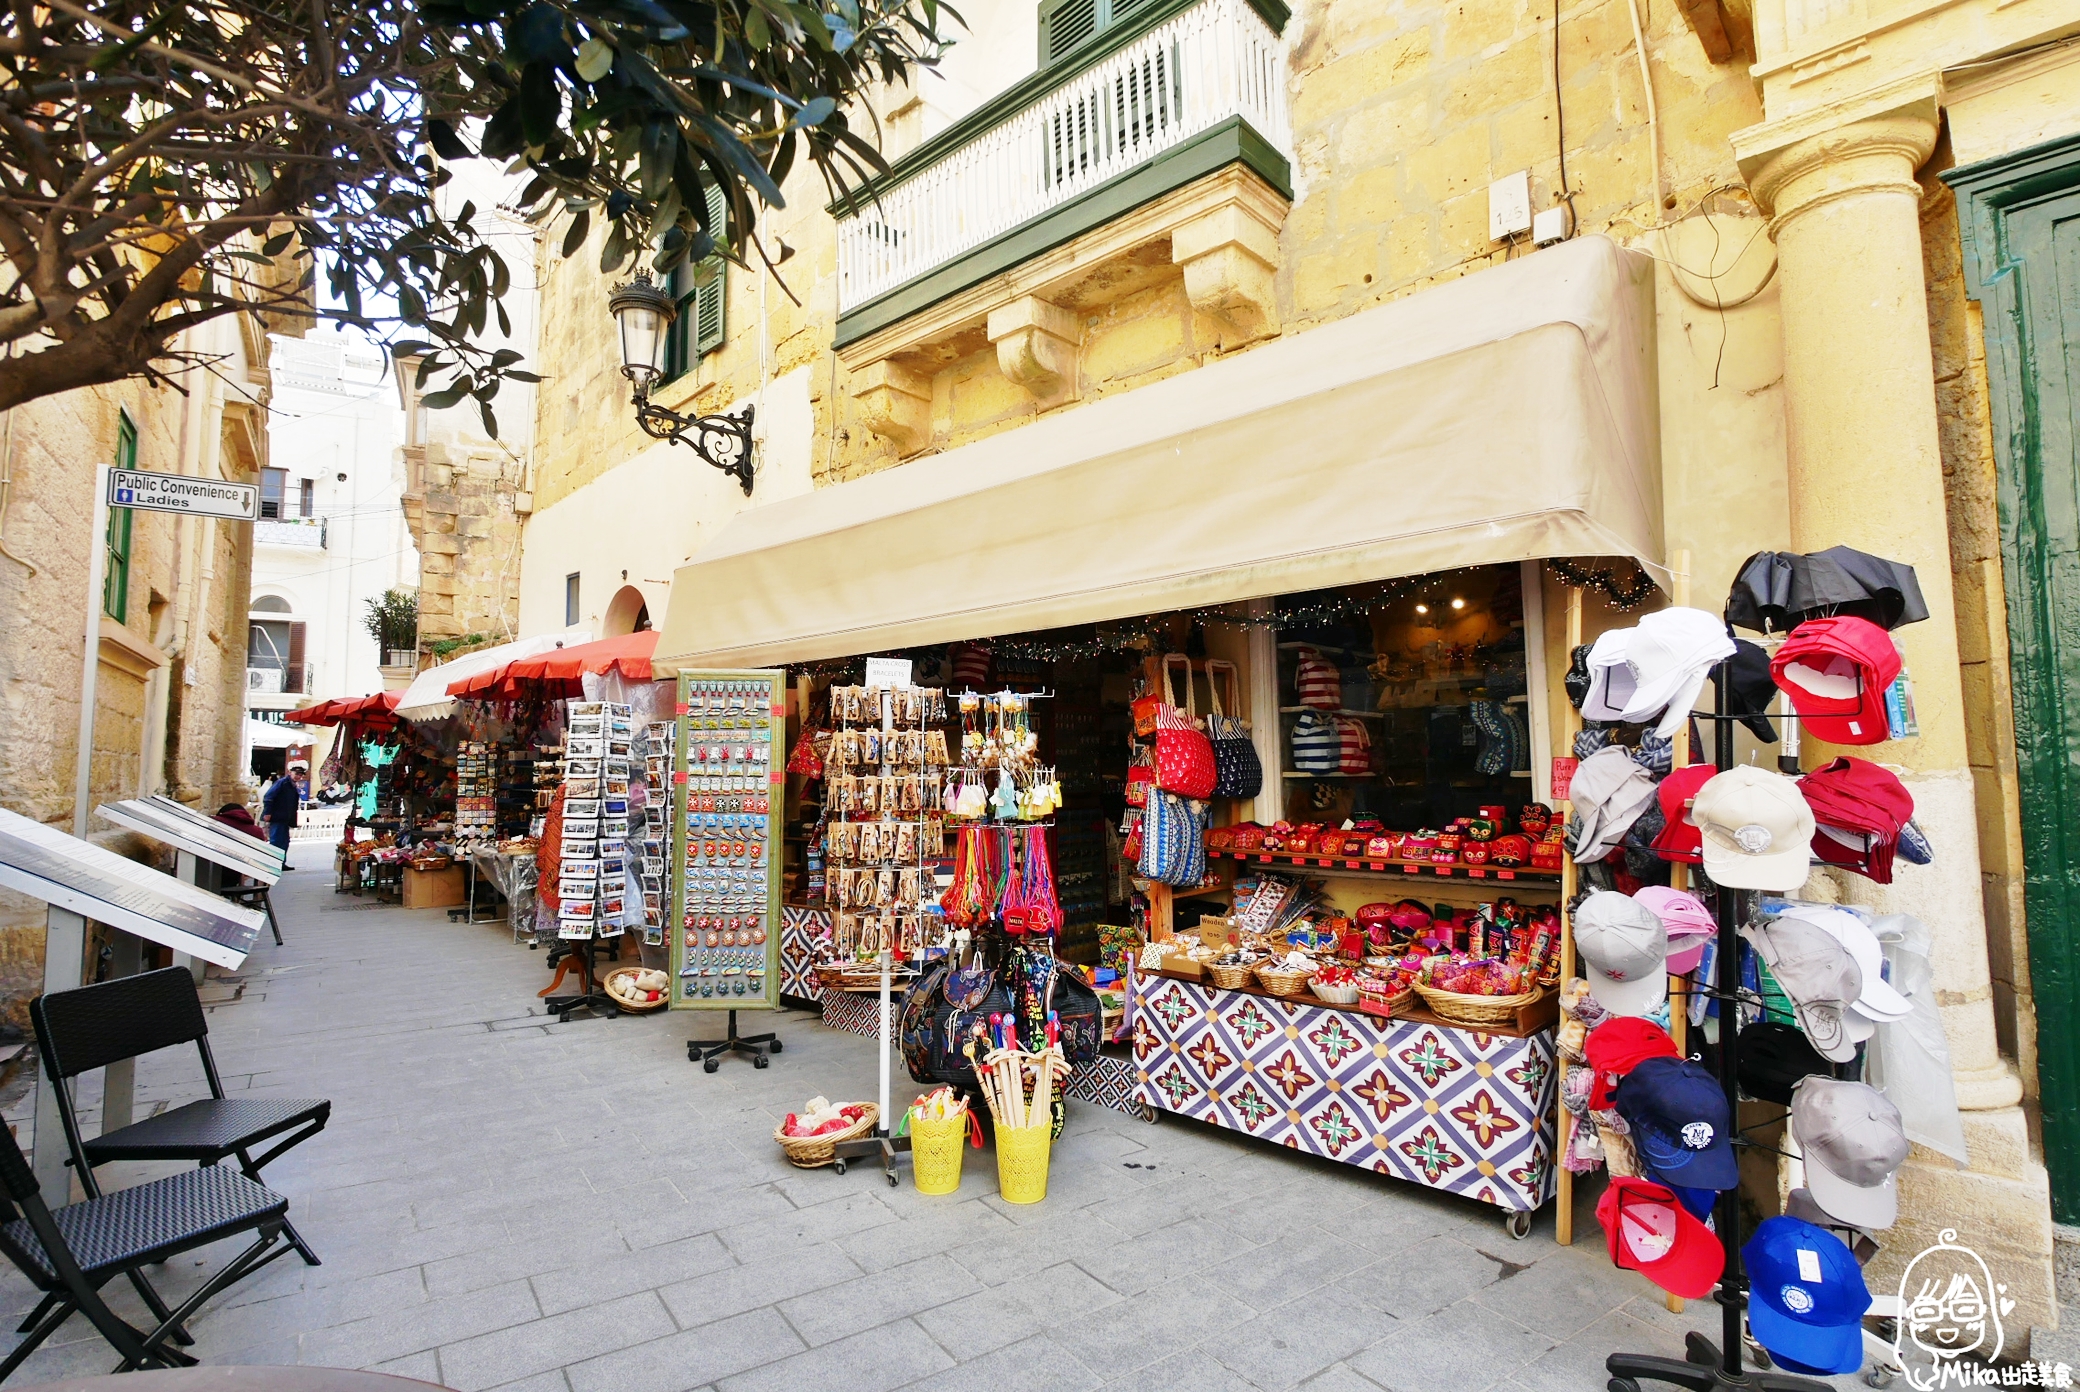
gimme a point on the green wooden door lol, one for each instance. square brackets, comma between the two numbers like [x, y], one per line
[2021, 221]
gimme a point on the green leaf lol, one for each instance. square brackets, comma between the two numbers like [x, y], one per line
[757, 32]
[614, 252]
[490, 418]
[541, 103]
[816, 112]
[444, 398]
[580, 229]
[595, 59]
[441, 135]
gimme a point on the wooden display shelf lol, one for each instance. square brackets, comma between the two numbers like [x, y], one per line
[1361, 865]
[1541, 1014]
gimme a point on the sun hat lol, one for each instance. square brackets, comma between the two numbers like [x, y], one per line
[1623, 951]
[1860, 813]
[1616, 1047]
[1656, 667]
[1649, 1231]
[1819, 976]
[1877, 1001]
[1854, 1142]
[1806, 1296]
[1681, 1126]
[1756, 829]
[1609, 791]
[1836, 672]
[1689, 923]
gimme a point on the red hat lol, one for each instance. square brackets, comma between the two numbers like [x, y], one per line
[1649, 1231]
[1679, 838]
[1619, 1045]
[1854, 799]
[1836, 672]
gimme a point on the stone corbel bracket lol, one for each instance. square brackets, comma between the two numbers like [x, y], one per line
[895, 403]
[1036, 347]
[1230, 261]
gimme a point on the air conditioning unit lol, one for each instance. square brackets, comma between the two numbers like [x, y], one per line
[263, 680]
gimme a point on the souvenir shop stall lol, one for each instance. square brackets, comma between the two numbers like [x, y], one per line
[388, 772]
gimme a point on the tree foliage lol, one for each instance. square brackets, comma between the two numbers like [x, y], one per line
[392, 619]
[167, 162]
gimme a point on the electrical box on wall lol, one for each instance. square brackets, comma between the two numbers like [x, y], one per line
[1509, 205]
[1549, 227]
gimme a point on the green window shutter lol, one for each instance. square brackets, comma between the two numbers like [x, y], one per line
[679, 356]
[711, 281]
[1064, 24]
[115, 582]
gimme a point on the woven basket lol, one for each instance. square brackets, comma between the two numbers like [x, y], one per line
[616, 984]
[1229, 978]
[1336, 995]
[1280, 981]
[1459, 1009]
[808, 1152]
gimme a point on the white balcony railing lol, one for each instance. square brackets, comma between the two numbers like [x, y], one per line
[1216, 60]
[297, 533]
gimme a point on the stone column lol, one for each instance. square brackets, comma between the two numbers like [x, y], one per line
[1866, 471]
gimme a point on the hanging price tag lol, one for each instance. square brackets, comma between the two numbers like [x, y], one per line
[1563, 776]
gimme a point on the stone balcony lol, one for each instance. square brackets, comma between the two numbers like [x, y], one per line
[290, 533]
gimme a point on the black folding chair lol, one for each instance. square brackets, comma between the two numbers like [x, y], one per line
[250, 895]
[71, 1253]
[93, 1026]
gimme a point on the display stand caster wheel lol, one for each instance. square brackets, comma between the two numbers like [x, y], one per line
[774, 1046]
[1148, 1113]
[711, 1065]
[760, 1061]
[838, 1165]
[1880, 1376]
[1622, 1385]
[1517, 1225]
[892, 1179]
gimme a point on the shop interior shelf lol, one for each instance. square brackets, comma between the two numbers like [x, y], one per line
[1386, 867]
[1541, 1014]
[1323, 710]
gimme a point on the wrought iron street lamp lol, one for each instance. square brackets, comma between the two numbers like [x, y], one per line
[644, 313]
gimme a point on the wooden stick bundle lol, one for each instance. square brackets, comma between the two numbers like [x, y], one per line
[1003, 1078]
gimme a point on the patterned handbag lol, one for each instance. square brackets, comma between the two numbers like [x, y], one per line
[1317, 746]
[1238, 772]
[1354, 747]
[1184, 756]
[1316, 683]
[1140, 778]
[1173, 849]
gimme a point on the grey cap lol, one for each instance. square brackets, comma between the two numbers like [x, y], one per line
[1609, 791]
[1854, 1143]
[1803, 1206]
[1624, 952]
[1818, 974]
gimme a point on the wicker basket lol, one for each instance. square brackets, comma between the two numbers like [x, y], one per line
[1229, 978]
[1281, 981]
[808, 1152]
[1474, 1011]
[1346, 994]
[616, 984]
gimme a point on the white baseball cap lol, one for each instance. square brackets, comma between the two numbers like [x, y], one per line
[1655, 667]
[1624, 952]
[1878, 1002]
[1853, 1141]
[1756, 828]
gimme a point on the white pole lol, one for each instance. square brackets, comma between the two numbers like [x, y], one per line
[90, 662]
[64, 945]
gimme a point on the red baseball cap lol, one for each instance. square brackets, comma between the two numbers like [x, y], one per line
[1679, 838]
[1649, 1231]
[1836, 671]
[1855, 799]
[1619, 1045]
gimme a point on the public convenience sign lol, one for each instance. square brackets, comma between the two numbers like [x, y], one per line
[200, 497]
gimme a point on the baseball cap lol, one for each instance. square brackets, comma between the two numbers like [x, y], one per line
[1609, 790]
[1751, 691]
[1624, 952]
[1649, 1231]
[1799, 1203]
[1775, 1058]
[1819, 976]
[1756, 830]
[1655, 667]
[1806, 1296]
[1854, 1143]
[1688, 921]
[1836, 671]
[1619, 1045]
[1860, 811]
[1679, 839]
[1877, 1001]
[1681, 1127]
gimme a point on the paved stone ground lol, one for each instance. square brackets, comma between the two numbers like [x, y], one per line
[505, 1202]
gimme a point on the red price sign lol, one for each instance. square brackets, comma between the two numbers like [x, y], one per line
[1563, 775]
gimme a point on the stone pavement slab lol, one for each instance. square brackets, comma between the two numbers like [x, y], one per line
[502, 1201]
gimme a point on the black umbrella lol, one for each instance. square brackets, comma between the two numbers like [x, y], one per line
[1778, 590]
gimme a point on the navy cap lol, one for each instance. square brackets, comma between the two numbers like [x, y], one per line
[1681, 1127]
[1806, 1296]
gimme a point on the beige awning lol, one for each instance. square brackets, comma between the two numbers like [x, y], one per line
[1506, 416]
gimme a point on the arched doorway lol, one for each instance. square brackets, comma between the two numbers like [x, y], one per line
[627, 612]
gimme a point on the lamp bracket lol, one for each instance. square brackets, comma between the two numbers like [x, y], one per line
[724, 441]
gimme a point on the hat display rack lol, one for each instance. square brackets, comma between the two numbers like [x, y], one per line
[1715, 1366]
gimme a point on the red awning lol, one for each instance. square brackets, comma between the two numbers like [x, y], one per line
[372, 712]
[556, 674]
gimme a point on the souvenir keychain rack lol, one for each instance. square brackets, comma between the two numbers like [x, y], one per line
[1718, 1367]
[882, 746]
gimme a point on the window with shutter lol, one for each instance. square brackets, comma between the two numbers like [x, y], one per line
[699, 288]
[1064, 24]
[293, 678]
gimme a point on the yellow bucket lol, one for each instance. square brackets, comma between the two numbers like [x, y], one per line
[935, 1152]
[1022, 1162]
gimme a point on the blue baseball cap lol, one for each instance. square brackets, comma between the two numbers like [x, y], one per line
[1806, 1296]
[1681, 1127]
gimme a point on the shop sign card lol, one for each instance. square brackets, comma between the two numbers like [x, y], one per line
[723, 922]
[580, 788]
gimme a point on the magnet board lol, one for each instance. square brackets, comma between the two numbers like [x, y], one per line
[728, 762]
[45, 863]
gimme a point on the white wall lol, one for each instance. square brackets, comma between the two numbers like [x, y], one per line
[1000, 45]
[649, 515]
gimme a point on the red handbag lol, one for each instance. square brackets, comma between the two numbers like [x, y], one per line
[1355, 757]
[1184, 756]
